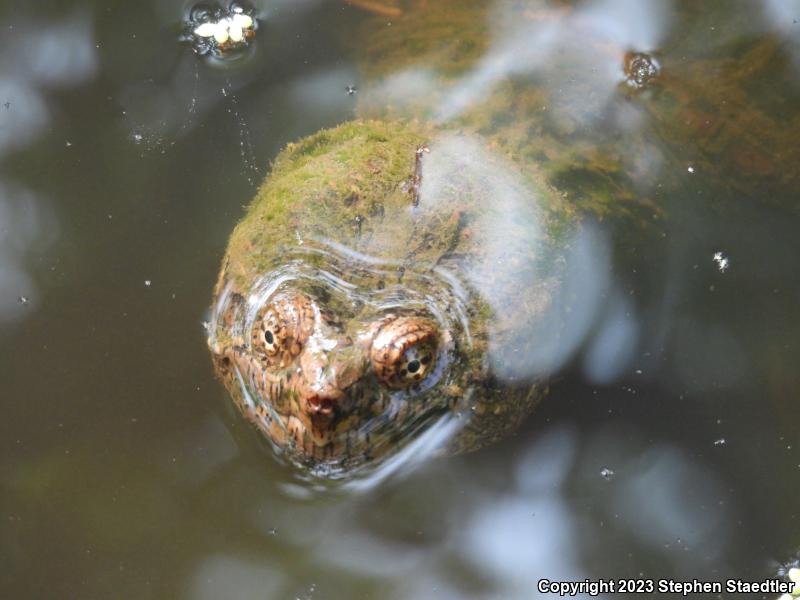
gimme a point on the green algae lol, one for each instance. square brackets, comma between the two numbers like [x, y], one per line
[327, 185]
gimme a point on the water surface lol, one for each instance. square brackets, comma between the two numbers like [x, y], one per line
[668, 446]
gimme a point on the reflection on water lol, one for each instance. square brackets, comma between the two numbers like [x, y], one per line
[124, 470]
[48, 55]
[53, 54]
[26, 224]
[609, 353]
[525, 46]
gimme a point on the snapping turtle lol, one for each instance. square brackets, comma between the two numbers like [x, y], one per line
[401, 277]
[386, 278]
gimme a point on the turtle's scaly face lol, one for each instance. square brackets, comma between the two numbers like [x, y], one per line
[330, 385]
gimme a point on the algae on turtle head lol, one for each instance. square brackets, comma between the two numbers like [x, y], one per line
[375, 289]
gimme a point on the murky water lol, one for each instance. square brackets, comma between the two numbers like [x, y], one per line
[668, 446]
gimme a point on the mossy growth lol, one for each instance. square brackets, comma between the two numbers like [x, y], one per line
[352, 185]
[331, 184]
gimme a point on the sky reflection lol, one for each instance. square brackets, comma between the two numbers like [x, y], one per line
[612, 347]
[229, 576]
[595, 34]
[47, 55]
[783, 17]
[550, 517]
[26, 223]
[530, 532]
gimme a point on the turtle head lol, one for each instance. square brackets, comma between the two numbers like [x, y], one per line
[330, 380]
[383, 293]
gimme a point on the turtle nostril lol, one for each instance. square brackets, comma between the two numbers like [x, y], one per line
[321, 404]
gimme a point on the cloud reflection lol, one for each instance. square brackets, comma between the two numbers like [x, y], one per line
[58, 54]
[543, 302]
[783, 16]
[669, 499]
[228, 576]
[586, 35]
[46, 55]
[561, 508]
[530, 533]
[612, 347]
[23, 118]
[25, 223]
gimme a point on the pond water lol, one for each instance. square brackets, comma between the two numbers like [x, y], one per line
[668, 446]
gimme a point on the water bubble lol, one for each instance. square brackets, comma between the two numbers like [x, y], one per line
[351, 90]
[23, 300]
[606, 473]
[201, 13]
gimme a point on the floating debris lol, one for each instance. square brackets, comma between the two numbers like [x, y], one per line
[794, 577]
[23, 300]
[351, 90]
[640, 68]
[722, 261]
[377, 8]
[217, 31]
[690, 169]
[720, 442]
[310, 594]
[606, 473]
[147, 282]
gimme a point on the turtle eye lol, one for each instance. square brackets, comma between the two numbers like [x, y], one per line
[282, 328]
[271, 335]
[416, 362]
[404, 351]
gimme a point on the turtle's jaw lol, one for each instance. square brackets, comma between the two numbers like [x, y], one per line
[311, 409]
